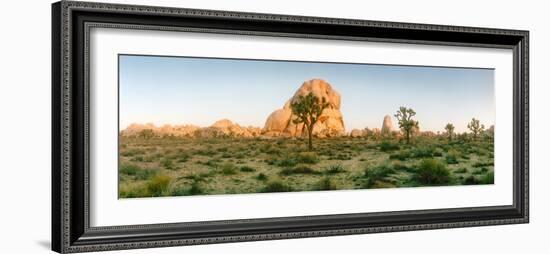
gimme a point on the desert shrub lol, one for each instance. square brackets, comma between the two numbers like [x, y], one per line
[132, 190]
[276, 185]
[483, 164]
[183, 157]
[470, 180]
[131, 152]
[212, 163]
[461, 171]
[205, 152]
[158, 185]
[247, 169]
[488, 178]
[195, 189]
[270, 149]
[136, 171]
[432, 172]
[422, 152]
[398, 166]
[291, 161]
[261, 177]
[451, 159]
[129, 169]
[438, 152]
[282, 162]
[168, 164]
[480, 171]
[325, 184]
[297, 170]
[335, 169]
[388, 146]
[402, 155]
[307, 158]
[377, 174]
[138, 158]
[228, 169]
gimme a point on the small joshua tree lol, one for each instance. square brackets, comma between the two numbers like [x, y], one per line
[475, 127]
[308, 109]
[450, 129]
[406, 123]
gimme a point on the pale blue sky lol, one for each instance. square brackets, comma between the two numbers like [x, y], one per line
[200, 91]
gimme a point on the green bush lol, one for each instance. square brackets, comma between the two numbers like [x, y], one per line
[488, 178]
[377, 174]
[158, 186]
[451, 159]
[285, 162]
[194, 189]
[470, 180]
[297, 170]
[261, 177]
[403, 155]
[481, 171]
[422, 152]
[131, 152]
[432, 172]
[168, 164]
[335, 169]
[388, 146]
[461, 171]
[307, 158]
[247, 169]
[276, 185]
[136, 171]
[228, 169]
[325, 184]
[483, 164]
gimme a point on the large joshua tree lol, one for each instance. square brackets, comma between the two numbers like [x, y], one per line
[308, 109]
[450, 129]
[406, 123]
[475, 127]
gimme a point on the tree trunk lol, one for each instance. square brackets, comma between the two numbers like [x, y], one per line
[408, 136]
[310, 145]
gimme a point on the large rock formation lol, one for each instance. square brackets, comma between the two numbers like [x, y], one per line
[330, 123]
[387, 126]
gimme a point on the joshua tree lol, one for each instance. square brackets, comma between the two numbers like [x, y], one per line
[475, 127]
[307, 110]
[450, 129]
[406, 123]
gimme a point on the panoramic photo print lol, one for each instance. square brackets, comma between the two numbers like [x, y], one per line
[202, 126]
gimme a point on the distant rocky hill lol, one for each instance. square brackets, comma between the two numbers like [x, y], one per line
[221, 128]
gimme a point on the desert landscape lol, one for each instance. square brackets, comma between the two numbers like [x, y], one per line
[303, 146]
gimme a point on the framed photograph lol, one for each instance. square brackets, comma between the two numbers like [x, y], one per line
[181, 126]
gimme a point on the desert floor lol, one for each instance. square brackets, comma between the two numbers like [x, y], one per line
[171, 166]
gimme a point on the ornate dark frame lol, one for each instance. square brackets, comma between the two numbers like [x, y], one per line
[71, 22]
